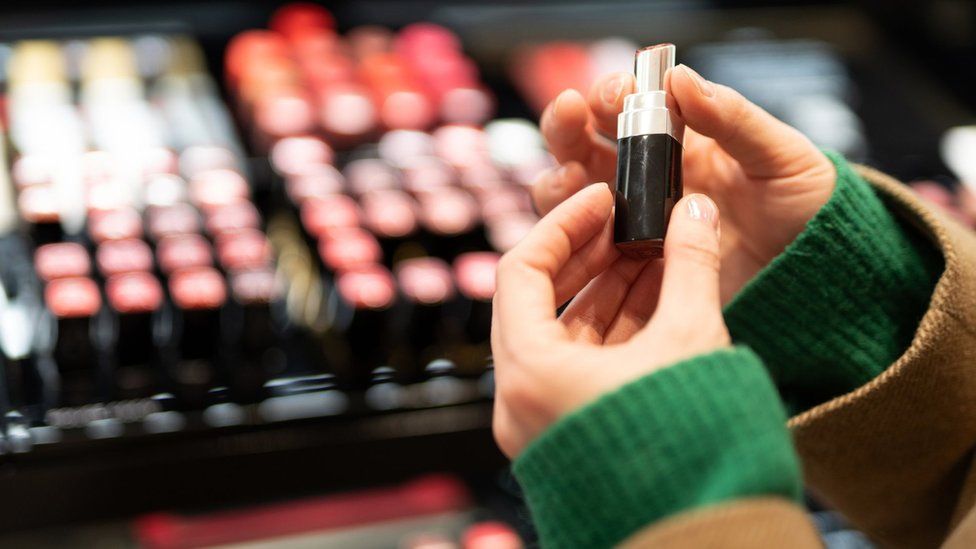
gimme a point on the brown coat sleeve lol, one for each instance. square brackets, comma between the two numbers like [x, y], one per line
[894, 456]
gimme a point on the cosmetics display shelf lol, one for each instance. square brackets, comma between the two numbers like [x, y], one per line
[97, 479]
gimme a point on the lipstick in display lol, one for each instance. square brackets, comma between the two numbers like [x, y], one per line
[252, 333]
[427, 173]
[294, 155]
[198, 296]
[474, 274]
[367, 40]
[136, 299]
[183, 251]
[648, 158]
[370, 174]
[231, 218]
[119, 224]
[364, 297]
[391, 215]
[215, 188]
[348, 248]
[61, 260]
[426, 286]
[117, 257]
[297, 18]
[74, 303]
[400, 147]
[321, 215]
[244, 250]
[29, 389]
[164, 190]
[401, 98]
[172, 220]
[319, 182]
[347, 113]
[450, 218]
[38, 207]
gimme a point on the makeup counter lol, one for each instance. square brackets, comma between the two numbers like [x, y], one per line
[247, 254]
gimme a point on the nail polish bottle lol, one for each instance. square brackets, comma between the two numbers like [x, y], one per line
[648, 158]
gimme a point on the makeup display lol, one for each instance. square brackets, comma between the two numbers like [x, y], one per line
[168, 281]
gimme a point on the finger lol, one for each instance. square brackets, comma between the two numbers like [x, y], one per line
[606, 100]
[690, 283]
[525, 297]
[586, 263]
[554, 185]
[638, 305]
[566, 126]
[592, 312]
[763, 145]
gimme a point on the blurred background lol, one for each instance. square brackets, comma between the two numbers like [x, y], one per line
[247, 248]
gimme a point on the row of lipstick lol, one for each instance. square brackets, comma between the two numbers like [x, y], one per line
[302, 77]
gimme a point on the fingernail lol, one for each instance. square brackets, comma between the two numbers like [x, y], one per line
[612, 89]
[559, 99]
[701, 208]
[705, 87]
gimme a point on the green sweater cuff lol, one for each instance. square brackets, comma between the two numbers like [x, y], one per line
[703, 431]
[842, 302]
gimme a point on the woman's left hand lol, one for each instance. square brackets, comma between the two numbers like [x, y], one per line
[631, 319]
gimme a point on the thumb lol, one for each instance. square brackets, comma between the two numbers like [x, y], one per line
[764, 146]
[690, 283]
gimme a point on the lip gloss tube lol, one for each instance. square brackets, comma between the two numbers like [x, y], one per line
[74, 303]
[649, 138]
[136, 300]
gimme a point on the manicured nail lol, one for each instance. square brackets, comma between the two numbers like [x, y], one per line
[705, 87]
[612, 89]
[701, 208]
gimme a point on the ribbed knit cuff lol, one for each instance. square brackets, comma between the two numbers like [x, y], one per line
[842, 302]
[703, 431]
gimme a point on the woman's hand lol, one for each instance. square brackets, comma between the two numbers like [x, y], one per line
[628, 319]
[767, 178]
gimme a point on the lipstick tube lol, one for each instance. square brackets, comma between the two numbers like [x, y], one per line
[199, 295]
[135, 300]
[74, 304]
[648, 158]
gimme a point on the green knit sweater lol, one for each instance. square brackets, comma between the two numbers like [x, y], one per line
[839, 305]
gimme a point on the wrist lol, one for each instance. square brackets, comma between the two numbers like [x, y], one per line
[854, 284]
[700, 432]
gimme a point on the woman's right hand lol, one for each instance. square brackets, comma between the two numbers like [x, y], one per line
[767, 178]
